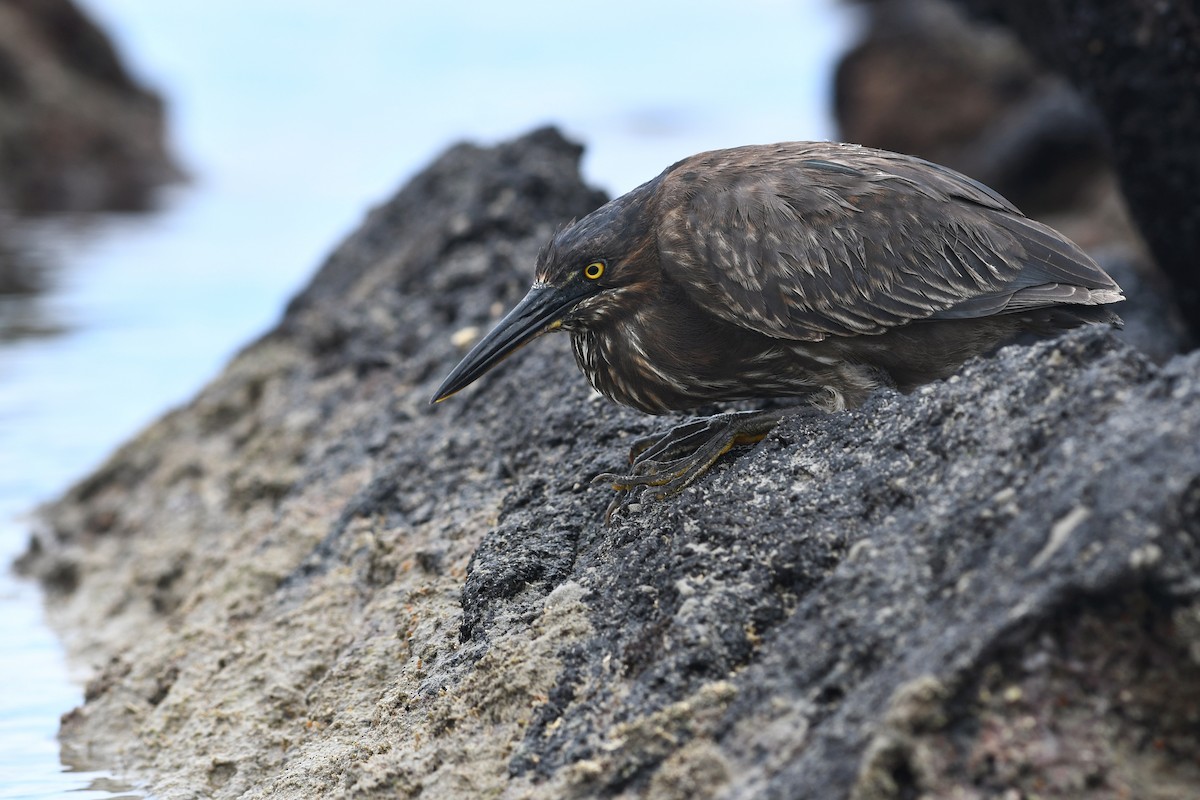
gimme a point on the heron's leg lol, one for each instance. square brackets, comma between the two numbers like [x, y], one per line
[668, 463]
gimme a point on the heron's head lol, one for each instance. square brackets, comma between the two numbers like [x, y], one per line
[587, 272]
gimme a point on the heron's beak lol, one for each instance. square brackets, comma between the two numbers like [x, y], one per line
[540, 311]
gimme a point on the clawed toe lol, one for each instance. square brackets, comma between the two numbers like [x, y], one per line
[677, 441]
[667, 464]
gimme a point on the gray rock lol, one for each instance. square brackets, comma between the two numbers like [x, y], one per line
[308, 582]
[77, 131]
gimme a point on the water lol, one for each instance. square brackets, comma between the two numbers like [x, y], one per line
[294, 117]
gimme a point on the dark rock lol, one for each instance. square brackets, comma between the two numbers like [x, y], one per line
[929, 81]
[77, 132]
[1138, 63]
[309, 582]
[1032, 722]
[924, 80]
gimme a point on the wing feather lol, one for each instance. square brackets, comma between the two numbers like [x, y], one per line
[809, 240]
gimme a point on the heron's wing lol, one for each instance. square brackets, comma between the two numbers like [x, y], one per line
[808, 240]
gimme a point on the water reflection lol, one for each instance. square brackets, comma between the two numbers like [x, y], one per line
[23, 277]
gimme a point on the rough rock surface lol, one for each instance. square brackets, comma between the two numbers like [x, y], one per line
[308, 582]
[77, 132]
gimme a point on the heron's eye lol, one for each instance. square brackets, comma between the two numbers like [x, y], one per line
[594, 270]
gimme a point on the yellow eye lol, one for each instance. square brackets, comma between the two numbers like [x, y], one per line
[594, 270]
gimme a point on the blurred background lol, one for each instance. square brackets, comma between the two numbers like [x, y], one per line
[171, 173]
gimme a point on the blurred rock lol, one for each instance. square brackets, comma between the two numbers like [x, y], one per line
[77, 132]
[309, 582]
[1138, 63]
[926, 80]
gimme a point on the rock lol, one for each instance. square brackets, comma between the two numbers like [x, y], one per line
[77, 132]
[926, 79]
[308, 582]
[1138, 63]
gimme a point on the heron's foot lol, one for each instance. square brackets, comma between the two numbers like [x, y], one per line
[666, 464]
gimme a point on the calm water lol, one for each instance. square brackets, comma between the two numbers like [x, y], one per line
[294, 117]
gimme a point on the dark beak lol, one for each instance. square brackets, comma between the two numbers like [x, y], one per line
[540, 311]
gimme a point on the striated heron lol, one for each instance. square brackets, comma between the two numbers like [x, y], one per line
[815, 270]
